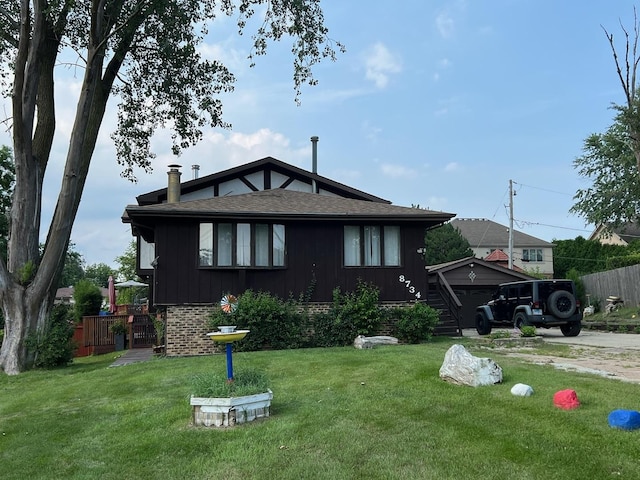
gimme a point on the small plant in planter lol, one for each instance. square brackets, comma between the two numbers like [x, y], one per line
[218, 402]
[118, 328]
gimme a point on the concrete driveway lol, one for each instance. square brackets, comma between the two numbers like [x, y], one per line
[590, 338]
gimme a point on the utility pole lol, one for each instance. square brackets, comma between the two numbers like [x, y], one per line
[510, 224]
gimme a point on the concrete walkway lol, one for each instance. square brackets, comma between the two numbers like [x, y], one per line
[591, 338]
[133, 355]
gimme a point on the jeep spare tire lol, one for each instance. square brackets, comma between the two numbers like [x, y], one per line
[561, 304]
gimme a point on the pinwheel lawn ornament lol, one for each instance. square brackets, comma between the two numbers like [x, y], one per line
[227, 333]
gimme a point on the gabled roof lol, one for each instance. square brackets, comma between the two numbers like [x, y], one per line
[281, 204]
[627, 232]
[264, 164]
[497, 256]
[448, 266]
[481, 232]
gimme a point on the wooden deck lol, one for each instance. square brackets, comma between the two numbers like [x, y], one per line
[94, 336]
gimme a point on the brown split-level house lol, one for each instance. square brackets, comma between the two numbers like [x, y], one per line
[270, 226]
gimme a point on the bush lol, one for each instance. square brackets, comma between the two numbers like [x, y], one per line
[55, 347]
[326, 332]
[356, 313]
[416, 323]
[527, 331]
[87, 298]
[273, 322]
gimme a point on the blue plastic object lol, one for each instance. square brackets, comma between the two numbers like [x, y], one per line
[624, 419]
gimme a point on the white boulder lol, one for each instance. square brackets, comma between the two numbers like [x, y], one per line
[521, 390]
[462, 368]
[370, 342]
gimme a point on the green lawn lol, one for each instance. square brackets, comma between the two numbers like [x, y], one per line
[337, 413]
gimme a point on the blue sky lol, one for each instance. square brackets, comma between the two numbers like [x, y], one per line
[435, 103]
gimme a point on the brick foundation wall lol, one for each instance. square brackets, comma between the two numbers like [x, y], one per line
[187, 331]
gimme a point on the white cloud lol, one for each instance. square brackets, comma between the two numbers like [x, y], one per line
[380, 64]
[445, 25]
[452, 167]
[397, 171]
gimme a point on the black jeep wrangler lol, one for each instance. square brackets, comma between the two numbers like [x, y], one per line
[541, 303]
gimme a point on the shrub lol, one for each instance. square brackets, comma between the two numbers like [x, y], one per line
[87, 298]
[416, 323]
[527, 331]
[356, 313]
[55, 346]
[326, 332]
[215, 384]
[273, 322]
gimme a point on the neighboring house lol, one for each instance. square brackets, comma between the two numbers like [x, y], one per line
[473, 282]
[64, 295]
[530, 254]
[273, 227]
[623, 235]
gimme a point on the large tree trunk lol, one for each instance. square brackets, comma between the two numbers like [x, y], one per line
[23, 312]
[28, 281]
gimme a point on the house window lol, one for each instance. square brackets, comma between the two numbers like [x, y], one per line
[532, 255]
[241, 245]
[371, 246]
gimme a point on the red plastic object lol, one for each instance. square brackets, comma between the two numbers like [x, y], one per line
[566, 399]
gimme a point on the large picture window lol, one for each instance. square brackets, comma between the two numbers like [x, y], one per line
[242, 245]
[371, 246]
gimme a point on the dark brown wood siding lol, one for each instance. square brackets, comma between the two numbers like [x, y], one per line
[314, 250]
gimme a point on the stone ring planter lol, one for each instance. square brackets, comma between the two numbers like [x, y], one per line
[227, 412]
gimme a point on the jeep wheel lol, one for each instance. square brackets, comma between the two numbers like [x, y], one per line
[571, 329]
[561, 304]
[520, 320]
[483, 325]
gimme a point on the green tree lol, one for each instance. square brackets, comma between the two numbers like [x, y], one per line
[145, 53]
[87, 299]
[7, 179]
[73, 269]
[609, 165]
[127, 263]
[99, 273]
[445, 244]
[584, 256]
[628, 116]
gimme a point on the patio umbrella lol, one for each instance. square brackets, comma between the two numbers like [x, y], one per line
[131, 283]
[112, 295]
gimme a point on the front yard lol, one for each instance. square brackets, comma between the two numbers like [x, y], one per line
[336, 413]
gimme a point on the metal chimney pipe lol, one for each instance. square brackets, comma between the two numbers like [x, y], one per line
[314, 161]
[314, 154]
[195, 170]
[173, 186]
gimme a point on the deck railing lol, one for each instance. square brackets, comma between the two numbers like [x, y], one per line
[97, 336]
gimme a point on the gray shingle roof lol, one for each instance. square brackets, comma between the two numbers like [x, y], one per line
[481, 232]
[281, 203]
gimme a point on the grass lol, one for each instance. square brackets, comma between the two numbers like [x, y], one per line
[337, 413]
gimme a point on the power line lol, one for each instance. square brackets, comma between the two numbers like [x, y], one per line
[544, 189]
[527, 222]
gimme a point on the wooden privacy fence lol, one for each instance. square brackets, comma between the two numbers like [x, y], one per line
[622, 282]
